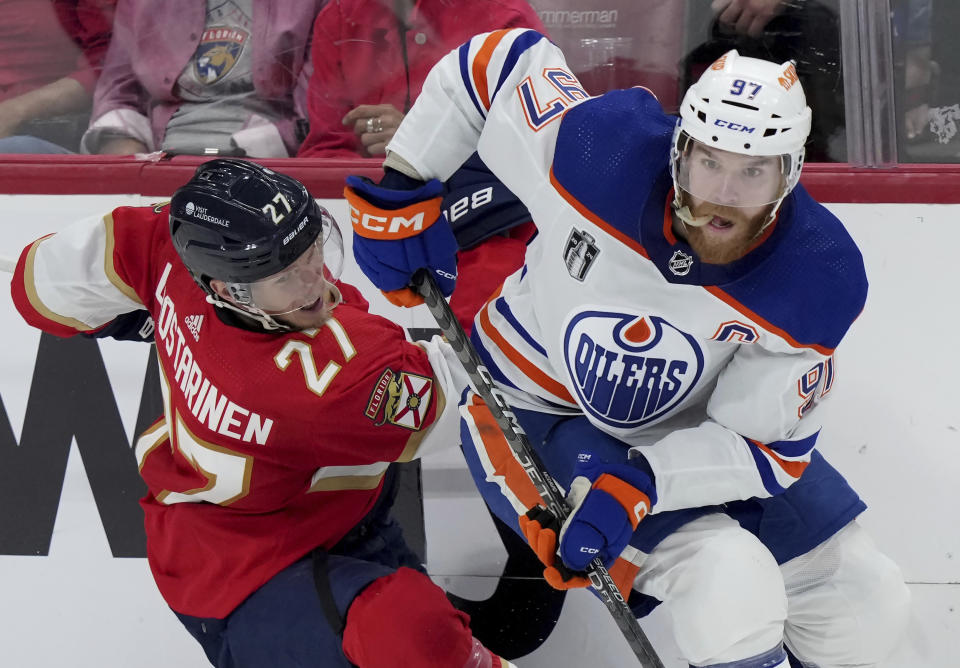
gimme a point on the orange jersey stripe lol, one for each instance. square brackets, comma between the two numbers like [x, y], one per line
[522, 363]
[730, 301]
[479, 70]
[595, 219]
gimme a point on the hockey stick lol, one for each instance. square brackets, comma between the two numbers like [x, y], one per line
[426, 286]
[7, 264]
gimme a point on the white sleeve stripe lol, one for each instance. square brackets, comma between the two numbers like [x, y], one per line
[450, 379]
[71, 280]
[475, 70]
[30, 287]
[341, 478]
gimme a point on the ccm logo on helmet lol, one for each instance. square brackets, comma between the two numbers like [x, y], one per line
[732, 126]
[383, 224]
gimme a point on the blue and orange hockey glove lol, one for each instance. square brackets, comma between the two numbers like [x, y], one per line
[397, 232]
[608, 502]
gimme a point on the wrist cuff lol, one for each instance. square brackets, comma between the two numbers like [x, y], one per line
[634, 502]
[372, 222]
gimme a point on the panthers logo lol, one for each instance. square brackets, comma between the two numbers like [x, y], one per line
[218, 52]
[630, 369]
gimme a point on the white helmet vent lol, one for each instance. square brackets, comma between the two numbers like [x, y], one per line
[743, 105]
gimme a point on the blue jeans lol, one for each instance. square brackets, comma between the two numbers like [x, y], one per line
[29, 144]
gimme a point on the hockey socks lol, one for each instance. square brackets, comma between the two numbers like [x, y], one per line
[403, 619]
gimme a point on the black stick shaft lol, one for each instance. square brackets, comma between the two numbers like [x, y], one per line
[426, 286]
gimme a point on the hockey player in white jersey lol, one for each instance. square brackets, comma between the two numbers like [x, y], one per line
[666, 344]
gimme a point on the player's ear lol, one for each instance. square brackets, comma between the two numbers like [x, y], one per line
[220, 289]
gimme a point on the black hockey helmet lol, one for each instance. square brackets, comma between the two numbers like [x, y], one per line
[239, 222]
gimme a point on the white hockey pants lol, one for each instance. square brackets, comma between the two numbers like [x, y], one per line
[842, 605]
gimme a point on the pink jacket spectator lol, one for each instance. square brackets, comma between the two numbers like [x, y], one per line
[45, 40]
[154, 40]
[358, 57]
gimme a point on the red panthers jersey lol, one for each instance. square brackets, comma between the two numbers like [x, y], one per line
[271, 444]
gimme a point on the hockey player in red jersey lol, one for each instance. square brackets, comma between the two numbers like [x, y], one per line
[285, 403]
[665, 347]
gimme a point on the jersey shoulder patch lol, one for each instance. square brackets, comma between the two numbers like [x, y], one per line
[392, 374]
[400, 398]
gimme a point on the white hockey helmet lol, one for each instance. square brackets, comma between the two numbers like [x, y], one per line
[746, 106]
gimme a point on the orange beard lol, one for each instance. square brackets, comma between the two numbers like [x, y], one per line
[725, 245]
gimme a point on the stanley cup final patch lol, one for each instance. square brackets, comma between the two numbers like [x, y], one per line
[580, 253]
[402, 399]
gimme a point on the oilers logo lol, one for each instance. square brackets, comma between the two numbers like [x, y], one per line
[218, 51]
[627, 369]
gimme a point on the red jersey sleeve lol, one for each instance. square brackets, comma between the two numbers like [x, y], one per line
[82, 277]
[385, 395]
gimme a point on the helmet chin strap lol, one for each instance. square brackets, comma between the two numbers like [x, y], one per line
[772, 216]
[264, 319]
[261, 318]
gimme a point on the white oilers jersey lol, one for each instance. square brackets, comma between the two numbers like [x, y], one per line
[712, 372]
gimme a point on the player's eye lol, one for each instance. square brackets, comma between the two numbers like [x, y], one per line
[753, 172]
[709, 163]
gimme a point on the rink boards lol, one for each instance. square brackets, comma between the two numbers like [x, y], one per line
[76, 590]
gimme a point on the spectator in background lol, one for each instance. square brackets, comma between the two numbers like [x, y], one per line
[50, 57]
[806, 32]
[370, 58]
[747, 17]
[223, 77]
[913, 62]
[619, 43]
[922, 117]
